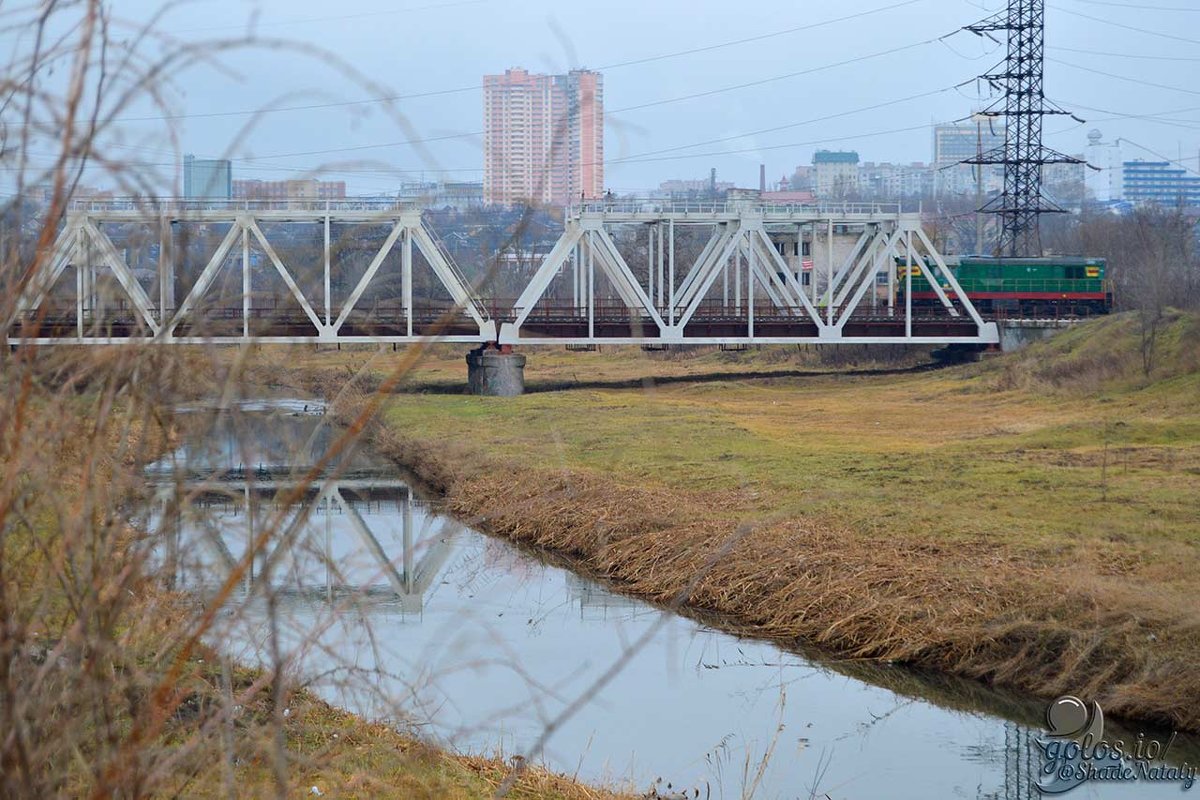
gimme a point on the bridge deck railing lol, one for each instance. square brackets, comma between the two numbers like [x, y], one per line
[185, 205]
[642, 206]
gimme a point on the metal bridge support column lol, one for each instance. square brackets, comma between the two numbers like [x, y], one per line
[326, 276]
[829, 275]
[661, 276]
[246, 283]
[737, 280]
[650, 262]
[495, 373]
[576, 272]
[80, 302]
[812, 248]
[891, 298]
[671, 268]
[166, 270]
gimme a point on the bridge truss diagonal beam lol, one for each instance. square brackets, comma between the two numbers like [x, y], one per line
[397, 231]
[133, 289]
[860, 258]
[759, 276]
[948, 274]
[252, 226]
[549, 268]
[847, 266]
[784, 274]
[53, 267]
[620, 272]
[708, 275]
[867, 280]
[207, 275]
[704, 265]
[451, 278]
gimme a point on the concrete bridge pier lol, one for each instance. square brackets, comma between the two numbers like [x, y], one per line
[496, 371]
[1017, 333]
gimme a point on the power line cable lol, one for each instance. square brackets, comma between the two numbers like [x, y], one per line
[479, 87]
[1148, 115]
[773, 79]
[759, 38]
[637, 107]
[1107, 54]
[1124, 77]
[1156, 154]
[645, 158]
[717, 154]
[254, 24]
[1146, 31]
[826, 118]
[638, 156]
[1137, 6]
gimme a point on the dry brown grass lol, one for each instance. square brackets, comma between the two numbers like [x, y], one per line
[971, 611]
[345, 756]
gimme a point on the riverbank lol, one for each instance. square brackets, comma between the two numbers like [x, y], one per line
[1031, 521]
[106, 683]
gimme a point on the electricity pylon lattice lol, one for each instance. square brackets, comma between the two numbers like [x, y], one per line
[1023, 106]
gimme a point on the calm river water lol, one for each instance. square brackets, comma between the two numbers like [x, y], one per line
[393, 610]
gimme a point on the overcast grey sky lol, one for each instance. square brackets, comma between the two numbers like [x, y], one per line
[422, 46]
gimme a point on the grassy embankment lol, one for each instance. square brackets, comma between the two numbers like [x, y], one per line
[1032, 521]
[90, 637]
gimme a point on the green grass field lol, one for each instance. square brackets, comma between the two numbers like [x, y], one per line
[955, 453]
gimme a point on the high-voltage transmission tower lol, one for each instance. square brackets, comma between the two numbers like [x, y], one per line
[1023, 106]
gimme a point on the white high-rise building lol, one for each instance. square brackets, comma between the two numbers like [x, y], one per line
[543, 137]
[954, 144]
[1105, 185]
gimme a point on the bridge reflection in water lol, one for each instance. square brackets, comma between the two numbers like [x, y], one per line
[358, 533]
[353, 540]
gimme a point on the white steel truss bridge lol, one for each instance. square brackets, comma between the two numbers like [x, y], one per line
[735, 273]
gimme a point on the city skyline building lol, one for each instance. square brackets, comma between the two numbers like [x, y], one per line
[835, 173]
[460, 195]
[543, 137]
[890, 180]
[956, 143]
[288, 190]
[1160, 182]
[207, 178]
[1104, 182]
[689, 188]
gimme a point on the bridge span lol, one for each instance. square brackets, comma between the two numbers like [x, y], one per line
[621, 272]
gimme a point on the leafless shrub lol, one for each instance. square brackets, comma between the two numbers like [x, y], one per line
[108, 684]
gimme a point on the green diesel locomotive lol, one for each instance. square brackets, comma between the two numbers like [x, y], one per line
[1030, 287]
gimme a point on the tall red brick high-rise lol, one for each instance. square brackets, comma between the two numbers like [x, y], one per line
[543, 137]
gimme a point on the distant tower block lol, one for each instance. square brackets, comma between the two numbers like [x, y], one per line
[543, 138]
[1104, 182]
